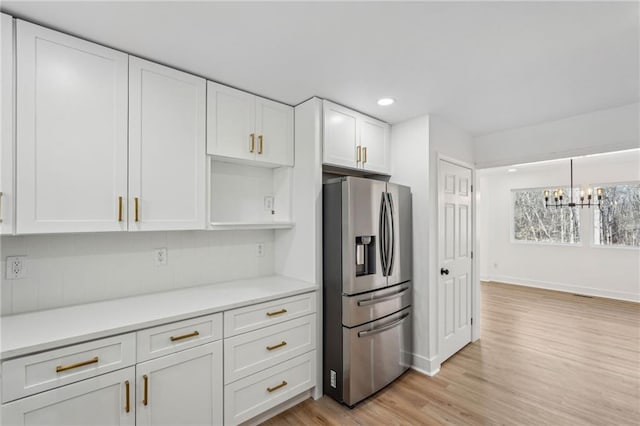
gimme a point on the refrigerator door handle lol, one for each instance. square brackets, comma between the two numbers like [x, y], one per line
[391, 238]
[383, 233]
[383, 328]
[375, 300]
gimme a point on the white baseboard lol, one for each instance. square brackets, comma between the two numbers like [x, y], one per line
[424, 365]
[567, 288]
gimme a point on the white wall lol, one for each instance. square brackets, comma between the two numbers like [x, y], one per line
[607, 130]
[71, 269]
[414, 148]
[584, 269]
[410, 166]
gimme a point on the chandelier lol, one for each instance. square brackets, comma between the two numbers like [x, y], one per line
[558, 196]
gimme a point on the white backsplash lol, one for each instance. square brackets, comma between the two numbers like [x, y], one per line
[70, 269]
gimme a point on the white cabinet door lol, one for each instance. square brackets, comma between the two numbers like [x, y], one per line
[167, 152]
[230, 122]
[7, 146]
[274, 130]
[341, 136]
[102, 400]
[374, 139]
[72, 133]
[181, 389]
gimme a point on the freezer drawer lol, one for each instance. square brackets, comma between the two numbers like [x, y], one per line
[366, 307]
[375, 354]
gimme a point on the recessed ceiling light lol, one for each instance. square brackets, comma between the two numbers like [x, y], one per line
[385, 101]
[512, 170]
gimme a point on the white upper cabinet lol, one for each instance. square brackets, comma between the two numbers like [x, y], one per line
[7, 137]
[374, 143]
[341, 135]
[72, 133]
[245, 127]
[354, 140]
[274, 130]
[231, 122]
[167, 151]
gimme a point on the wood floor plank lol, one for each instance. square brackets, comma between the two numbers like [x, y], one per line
[544, 358]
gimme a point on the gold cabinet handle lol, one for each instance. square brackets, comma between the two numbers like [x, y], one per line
[260, 144]
[62, 368]
[252, 136]
[184, 336]
[136, 208]
[119, 209]
[279, 345]
[281, 311]
[145, 400]
[127, 404]
[281, 385]
[364, 155]
[359, 154]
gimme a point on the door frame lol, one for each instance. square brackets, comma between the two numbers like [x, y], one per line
[475, 283]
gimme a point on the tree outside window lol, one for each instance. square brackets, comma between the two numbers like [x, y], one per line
[617, 221]
[534, 222]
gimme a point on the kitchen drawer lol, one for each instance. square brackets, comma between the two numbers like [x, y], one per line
[174, 337]
[253, 317]
[251, 352]
[259, 392]
[31, 374]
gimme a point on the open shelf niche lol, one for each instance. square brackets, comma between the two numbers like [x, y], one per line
[238, 196]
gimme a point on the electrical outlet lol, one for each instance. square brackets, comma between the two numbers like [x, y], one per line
[160, 256]
[268, 203]
[260, 250]
[16, 267]
[495, 265]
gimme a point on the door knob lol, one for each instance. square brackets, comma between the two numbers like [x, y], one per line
[444, 271]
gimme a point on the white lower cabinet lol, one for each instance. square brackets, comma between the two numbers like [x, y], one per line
[253, 395]
[178, 373]
[184, 388]
[101, 400]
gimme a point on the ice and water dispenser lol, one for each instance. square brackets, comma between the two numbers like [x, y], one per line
[365, 255]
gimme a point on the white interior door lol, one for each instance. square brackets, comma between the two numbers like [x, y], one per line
[72, 133]
[454, 254]
[167, 152]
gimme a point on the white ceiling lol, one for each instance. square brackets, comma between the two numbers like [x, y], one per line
[483, 66]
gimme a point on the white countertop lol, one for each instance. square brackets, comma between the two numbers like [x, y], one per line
[38, 331]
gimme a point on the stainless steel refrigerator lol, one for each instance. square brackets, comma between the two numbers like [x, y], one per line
[367, 267]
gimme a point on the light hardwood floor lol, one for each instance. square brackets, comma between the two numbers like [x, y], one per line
[544, 358]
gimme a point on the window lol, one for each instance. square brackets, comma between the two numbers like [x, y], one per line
[532, 221]
[617, 221]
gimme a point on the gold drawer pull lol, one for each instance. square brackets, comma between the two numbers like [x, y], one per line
[281, 385]
[253, 142]
[364, 155]
[136, 213]
[279, 345]
[127, 404]
[184, 336]
[145, 400]
[359, 154]
[281, 311]
[260, 144]
[61, 368]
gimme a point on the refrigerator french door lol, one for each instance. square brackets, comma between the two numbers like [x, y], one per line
[367, 286]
